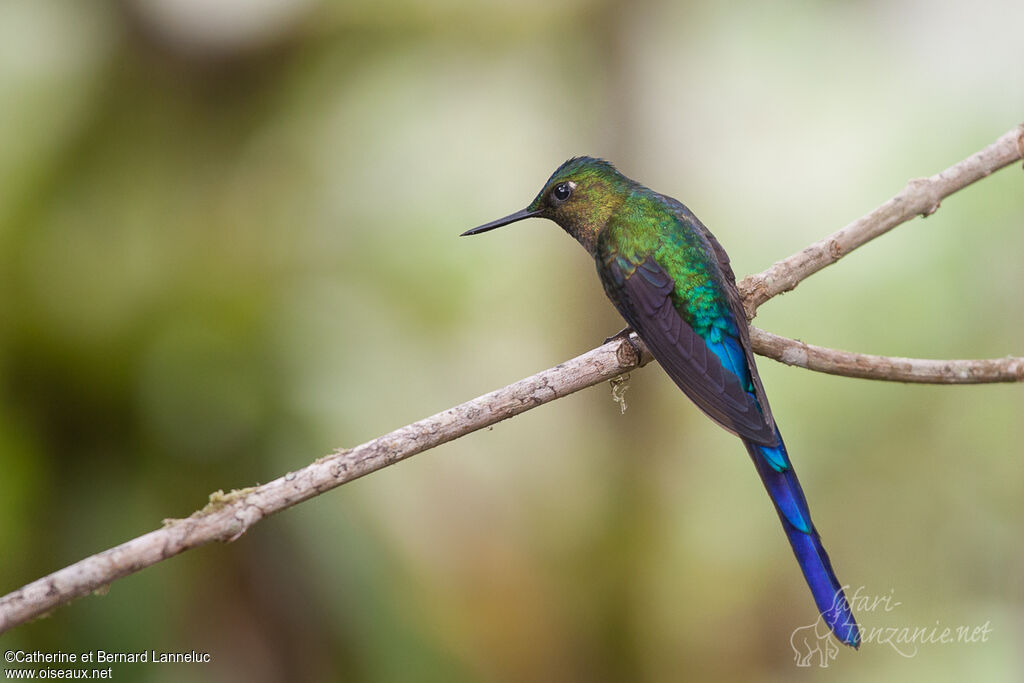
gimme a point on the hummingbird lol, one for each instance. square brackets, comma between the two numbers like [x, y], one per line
[671, 280]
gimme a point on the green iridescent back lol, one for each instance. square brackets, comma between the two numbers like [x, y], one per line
[644, 225]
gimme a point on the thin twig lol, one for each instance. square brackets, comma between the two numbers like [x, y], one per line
[228, 516]
[921, 197]
[916, 370]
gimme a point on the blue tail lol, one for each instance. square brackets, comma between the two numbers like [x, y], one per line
[784, 488]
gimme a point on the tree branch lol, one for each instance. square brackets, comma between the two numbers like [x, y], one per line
[847, 364]
[228, 516]
[921, 197]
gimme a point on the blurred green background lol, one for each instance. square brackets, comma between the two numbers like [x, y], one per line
[228, 244]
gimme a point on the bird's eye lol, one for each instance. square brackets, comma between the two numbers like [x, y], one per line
[562, 191]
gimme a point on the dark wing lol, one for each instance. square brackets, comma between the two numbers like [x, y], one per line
[732, 296]
[643, 295]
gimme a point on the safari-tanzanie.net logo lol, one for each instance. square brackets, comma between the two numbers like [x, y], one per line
[814, 644]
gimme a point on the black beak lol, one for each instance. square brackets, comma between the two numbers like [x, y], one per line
[511, 218]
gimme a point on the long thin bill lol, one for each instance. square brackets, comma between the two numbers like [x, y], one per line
[511, 218]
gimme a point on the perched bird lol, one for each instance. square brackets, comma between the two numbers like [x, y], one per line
[671, 280]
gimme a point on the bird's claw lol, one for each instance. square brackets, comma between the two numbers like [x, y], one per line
[621, 334]
[625, 333]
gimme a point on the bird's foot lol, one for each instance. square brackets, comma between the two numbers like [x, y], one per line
[621, 334]
[625, 333]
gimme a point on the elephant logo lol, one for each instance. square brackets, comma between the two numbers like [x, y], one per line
[811, 639]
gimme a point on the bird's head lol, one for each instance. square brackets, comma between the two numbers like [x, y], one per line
[580, 196]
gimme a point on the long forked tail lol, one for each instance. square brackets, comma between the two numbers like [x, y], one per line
[784, 488]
